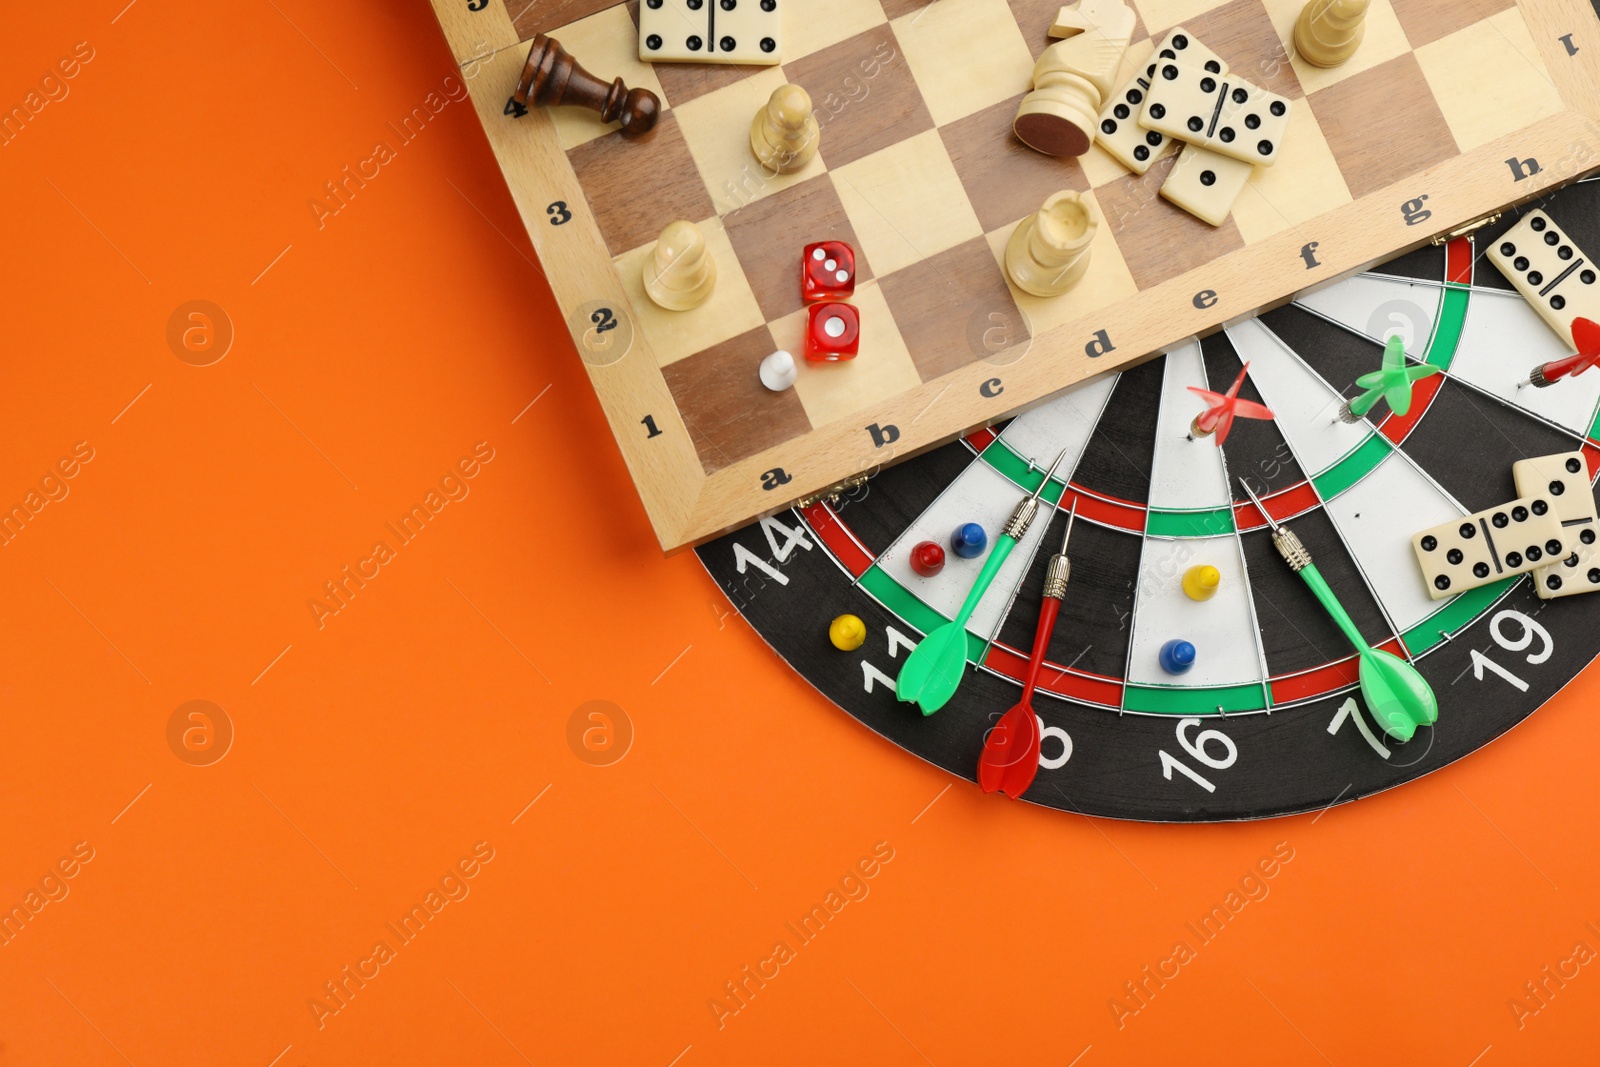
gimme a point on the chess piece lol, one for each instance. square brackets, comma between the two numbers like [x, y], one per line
[1328, 32]
[1049, 251]
[680, 272]
[1073, 79]
[551, 77]
[784, 133]
[777, 371]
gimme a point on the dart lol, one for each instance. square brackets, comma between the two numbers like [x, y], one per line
[933, 671]
[1011, 754]
[1392, 383]
[1224, 408]
[1586, 335]
[1397, 695]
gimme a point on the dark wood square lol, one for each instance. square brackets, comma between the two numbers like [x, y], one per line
[864, 94]
[730, 415]
[1005, 179]
[769, 234]
[1159, 240]
[529, 17]
[944, 304]
[1425, 21]
[895, 8]
[1242, 33]
[637, 185]
[1383, 125]
[1035, 17]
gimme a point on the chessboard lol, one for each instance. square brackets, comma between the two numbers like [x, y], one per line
[1448, 113]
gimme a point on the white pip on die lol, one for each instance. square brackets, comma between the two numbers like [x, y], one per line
[1565, 480]
[1120, 133]
[1475, 550]
[711, 31]
[1222, 113]
[1550, 271]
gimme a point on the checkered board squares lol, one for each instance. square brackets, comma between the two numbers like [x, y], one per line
[919, 171]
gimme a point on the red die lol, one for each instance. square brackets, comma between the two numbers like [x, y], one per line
[833, 332]
[828, 271]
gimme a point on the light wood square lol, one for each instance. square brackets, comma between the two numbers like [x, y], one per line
[1159, 16]
[604, 41]
[812, 25]
[965, 56]
[1305, 183]
[882, 369]
[906, 203]
[1480, 109]
[1384, 40]
[1107, 280]
[672, 335]
[717, 129]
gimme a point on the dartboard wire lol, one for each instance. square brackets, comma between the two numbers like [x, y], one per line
[1066, 483]
[1395, 630]
[1447, 375]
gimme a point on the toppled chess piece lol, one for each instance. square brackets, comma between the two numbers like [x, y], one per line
[1049, 251]
[551, 78]
[784, 133]
[1073, 79]
[1328, 32]
[680, 273]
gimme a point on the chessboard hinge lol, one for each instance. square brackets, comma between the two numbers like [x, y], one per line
[833, 493]
[1462, 231]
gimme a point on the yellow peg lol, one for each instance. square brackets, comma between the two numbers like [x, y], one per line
[847, 633]
[1200, 583]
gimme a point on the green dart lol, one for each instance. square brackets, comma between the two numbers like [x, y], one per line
[1398, 696]
[1392, 383]
[934, 670]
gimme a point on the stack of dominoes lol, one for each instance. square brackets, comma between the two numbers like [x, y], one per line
[1185, 95]
[1549, 530]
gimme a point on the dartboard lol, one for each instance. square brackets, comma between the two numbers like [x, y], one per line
[1269, 720]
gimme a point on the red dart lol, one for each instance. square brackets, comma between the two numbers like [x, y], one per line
[1011, 754]
[1218, 418]
[1586, 337]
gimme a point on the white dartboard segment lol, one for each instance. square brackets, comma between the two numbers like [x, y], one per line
[1306, 407]
[1186, 474]
[982, 495]
[1378, 308]
[1066, 422]
[1503, 341]
[1222, 629]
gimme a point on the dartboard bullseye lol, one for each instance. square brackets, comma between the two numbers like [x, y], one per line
[1198, 669]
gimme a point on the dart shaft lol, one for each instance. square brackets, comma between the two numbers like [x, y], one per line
[1041, 643]
[1330, 603]
[991, 567]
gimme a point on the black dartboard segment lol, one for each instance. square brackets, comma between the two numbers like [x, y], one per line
[1269, 721]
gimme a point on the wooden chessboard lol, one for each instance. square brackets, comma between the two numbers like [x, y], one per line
[1449, 112]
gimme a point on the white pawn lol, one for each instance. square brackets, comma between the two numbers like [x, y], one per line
[777, 371]
[680, 272]
[784, 133]
[1049, 251]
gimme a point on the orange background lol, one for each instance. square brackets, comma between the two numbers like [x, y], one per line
[373, 753]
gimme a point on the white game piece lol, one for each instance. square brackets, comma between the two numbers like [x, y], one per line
[680, 272]
[784, 132]
[1228, 115]
[1049, 250]
[1072, 80]
[1564, 480]
[778, 371]
[1550, 271]
[1475, 550]
[1206, 183]
[713, 31]
[1328, 32]
[1120, 133]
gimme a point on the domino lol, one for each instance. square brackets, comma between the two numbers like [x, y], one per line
[1228, 115]
[1120, 133]
[1475, 550]
[1564, 479]
[1206, 183]
[1550, 271]
[711, 31]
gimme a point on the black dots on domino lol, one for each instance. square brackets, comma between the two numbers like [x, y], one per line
[1520, 513]
[1208, 178]
[1574, 465]
[728, 43]
[1179, 41]
[1587, 537]
[1481, 570]
[1468, 530]
[1553, 582]
[1158, 111]
[1441, 583]
[1108, 127]
[1196, 124]
[1141, 153]
[769, 5]
[1513, 559]
[1556, 489]
[1537, 225]
[1429, 543]
[694, 44]
[1553, 547]
[1594, 575]
[1558, 302]
[1454, 556]
[1535, 553]
[1208, 85]
[653, 42]
[729, 5]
